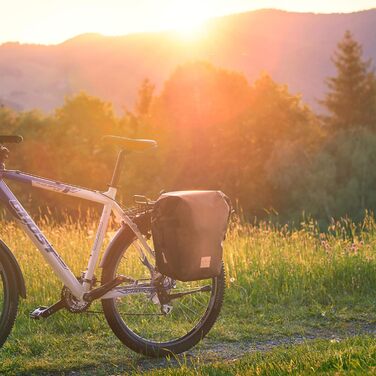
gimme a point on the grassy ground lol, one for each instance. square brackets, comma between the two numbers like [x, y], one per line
[353, 356]
[280, 283]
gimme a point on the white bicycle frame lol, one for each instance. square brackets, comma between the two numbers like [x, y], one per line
[62, 271]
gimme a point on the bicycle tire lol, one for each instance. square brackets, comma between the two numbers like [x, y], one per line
[146, 346]
[8, 299]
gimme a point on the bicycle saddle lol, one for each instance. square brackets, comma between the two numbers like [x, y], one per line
[131, 144]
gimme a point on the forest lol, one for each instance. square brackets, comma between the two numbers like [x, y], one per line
[257, 142]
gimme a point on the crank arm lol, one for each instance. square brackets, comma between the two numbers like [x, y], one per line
[44, 312]
[101, 291]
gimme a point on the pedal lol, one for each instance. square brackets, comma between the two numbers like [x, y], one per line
[166, 309]
[37, 313]
[44, 312]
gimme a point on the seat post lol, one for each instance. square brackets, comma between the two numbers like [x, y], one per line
[118, 168]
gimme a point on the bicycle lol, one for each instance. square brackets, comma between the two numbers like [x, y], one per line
[150, 313]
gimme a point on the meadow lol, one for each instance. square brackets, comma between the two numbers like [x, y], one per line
[281, 283]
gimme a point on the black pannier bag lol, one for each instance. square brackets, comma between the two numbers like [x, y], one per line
[188, 229]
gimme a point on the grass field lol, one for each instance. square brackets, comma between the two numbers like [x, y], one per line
[281, 283]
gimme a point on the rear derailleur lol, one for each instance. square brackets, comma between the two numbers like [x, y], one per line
[163, 285]
[163, 297]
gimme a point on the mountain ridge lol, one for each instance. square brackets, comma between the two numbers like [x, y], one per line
[294, 48]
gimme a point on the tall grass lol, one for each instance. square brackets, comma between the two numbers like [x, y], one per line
[271, 264]
[280, 281]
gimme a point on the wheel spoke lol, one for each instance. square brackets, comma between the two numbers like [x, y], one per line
[139, 319]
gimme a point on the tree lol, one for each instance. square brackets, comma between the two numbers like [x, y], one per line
[85, 119]
[186, 116]
[144, 98]
[250, 147]
[79, 126]
[335, 180]
[135, 124]
[351, 100]
[8, 120]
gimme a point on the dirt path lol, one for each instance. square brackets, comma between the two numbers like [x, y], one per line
[230, 351]
[212, 351]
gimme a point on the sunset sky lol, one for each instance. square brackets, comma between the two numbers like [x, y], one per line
[52, 21]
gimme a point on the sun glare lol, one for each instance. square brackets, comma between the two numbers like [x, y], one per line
[190, 31]
[47, 21]
[188, 20]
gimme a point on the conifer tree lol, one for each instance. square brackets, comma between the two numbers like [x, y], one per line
[351, 100]
[145, 97]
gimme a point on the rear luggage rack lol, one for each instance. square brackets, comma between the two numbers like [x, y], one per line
[135, 211]
[143, 206]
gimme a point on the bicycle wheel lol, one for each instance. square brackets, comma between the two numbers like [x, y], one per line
[140, 324]
[8, 299]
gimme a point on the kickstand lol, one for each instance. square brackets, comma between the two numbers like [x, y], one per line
[44, 312]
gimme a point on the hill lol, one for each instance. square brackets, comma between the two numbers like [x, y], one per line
[295, 48]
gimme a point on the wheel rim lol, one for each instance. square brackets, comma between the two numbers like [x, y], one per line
[143, 319]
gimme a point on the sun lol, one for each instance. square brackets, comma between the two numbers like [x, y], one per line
[188, 19]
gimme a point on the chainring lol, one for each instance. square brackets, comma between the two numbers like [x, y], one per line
[72, 304]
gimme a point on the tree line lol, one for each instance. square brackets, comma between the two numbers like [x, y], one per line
[257, 142]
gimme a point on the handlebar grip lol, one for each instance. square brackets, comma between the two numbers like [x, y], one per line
[10, 139]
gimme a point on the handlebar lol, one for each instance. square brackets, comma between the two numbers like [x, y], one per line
[10, 139]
